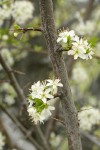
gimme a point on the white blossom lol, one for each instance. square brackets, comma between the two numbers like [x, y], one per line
[63, 36]
[9, 99]
[5, 37]
[81, 49]
[22, 11]
[55, 140]
[37, 89]
[2, 141]
[88, 117]
[46, 113]
[4, 13]
[9, 93]
[89, 55]
[87, 27]
[40, 117]
[45, 95]
[76, 46]
[41, 93]
[79, 73]
[34, 115]
[54, 84]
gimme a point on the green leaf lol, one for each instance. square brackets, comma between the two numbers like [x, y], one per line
[93, 41]
[39, 105]
[16, 26]
[30, 97]
[22, 35]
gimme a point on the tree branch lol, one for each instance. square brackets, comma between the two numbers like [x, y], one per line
[24, 30]
[23, 129]
[91, 138]
[13, 80]
[89, 9]
[69, 110]
[42, 137]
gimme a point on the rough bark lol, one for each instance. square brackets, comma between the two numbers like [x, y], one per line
[69, 110]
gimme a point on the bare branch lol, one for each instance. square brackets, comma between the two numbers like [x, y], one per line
[89, 9]
[24, 30]
[92, 138]
[44, 140]
[23, 129]
[13, 80]
[69, 110]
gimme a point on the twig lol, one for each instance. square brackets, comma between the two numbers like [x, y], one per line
[23, 129]
[13, 80]
[96, 57]
[51, 122]
[44, 141]
[91, 138]
[18, 72]
[84, 109]
[3, 81]
[24, 30]
[62, 122]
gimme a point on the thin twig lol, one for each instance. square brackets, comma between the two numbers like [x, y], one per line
[44, 140]
[51, 122]
[13, 80]
[84, 109]
[18, 72]
[91, 138]
[3, 81]
[96, 57]
[61, 121]
[24, 30]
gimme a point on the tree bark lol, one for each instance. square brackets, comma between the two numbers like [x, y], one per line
[69, 110]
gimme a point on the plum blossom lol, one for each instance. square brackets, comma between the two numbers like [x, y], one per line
[40, 116]
[22, 11]
[76, 46]
[63, 36]
[46, 95]
[88, 117]
[41, 93]
[46, 113]
[34, 115]
[54, 84]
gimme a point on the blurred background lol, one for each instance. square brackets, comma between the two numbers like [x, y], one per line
[27, 56]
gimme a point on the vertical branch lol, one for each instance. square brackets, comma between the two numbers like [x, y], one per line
[69, 110]
[89, 9]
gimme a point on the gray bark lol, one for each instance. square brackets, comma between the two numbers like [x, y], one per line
[69, 110]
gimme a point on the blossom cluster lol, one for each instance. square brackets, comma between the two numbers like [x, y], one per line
[79, 73]
[21, 11]
[76, 46]
[39, 99]
[4, 14]
[88, 27]
[88, 117]
[2, 143]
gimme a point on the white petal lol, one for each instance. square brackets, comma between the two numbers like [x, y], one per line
[65, 40]
[70, 52]
[59, 39]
